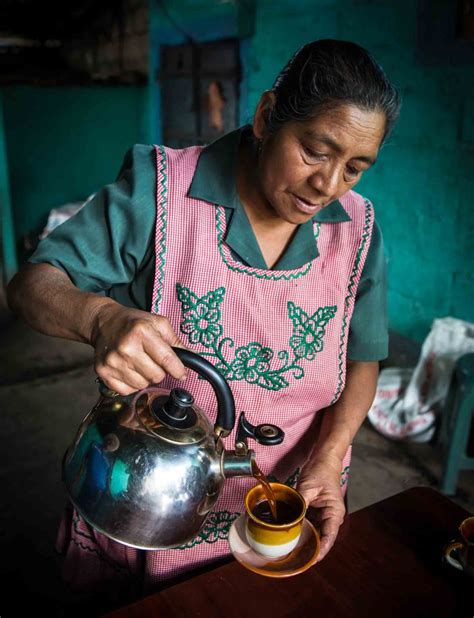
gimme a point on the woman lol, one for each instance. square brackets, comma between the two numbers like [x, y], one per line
[254, 252]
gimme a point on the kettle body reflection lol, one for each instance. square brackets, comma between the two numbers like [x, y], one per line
[146, 469]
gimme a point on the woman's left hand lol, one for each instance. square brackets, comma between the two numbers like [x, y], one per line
[319, 483]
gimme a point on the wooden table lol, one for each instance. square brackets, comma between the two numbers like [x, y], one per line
[386, 562]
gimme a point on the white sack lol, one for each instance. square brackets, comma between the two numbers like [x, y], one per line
[407, 401]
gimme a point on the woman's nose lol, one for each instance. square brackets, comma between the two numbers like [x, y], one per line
[326, 181]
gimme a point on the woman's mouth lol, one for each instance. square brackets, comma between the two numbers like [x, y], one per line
[304, 206]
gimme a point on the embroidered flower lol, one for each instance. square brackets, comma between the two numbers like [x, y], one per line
[251, 362]
[216, 528]
[201, 324]
[308, 332]
[220, 523]
[304, 341]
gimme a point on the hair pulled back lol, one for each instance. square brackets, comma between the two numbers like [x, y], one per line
[327, 73]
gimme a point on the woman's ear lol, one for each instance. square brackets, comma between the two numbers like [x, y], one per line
[260, 119]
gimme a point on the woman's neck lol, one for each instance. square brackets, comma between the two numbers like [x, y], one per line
[273, 233]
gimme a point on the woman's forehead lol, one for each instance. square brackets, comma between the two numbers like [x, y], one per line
[342, 127]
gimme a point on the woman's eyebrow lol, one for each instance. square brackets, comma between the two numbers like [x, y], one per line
[364, 159]
[323, 137]
[326, 139]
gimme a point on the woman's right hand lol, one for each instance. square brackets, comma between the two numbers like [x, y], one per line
[133, 348]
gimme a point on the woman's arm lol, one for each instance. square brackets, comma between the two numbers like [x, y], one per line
[132, 347]
[343, 419]
[49, 302]
[320, 478]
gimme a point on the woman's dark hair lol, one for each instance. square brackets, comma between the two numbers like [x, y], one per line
[326, 73]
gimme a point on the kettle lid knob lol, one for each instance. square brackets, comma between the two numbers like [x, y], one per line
[177, 411]
[180, 398]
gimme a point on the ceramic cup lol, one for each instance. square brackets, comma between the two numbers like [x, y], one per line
[274, 540]
[464, 548]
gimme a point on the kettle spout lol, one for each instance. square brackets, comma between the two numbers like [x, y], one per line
[235, 464]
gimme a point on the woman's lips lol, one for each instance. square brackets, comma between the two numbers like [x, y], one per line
[307, 207]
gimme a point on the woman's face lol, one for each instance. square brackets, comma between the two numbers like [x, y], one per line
[306, 165]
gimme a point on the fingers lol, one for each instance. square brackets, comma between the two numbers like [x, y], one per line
[123, 380]
[328, 531]
[328, 508]
[122, 388]
[139, 352]
[330, 513]
[160, 352]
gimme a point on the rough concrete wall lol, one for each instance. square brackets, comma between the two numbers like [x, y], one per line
[115, 46]
[423, 182]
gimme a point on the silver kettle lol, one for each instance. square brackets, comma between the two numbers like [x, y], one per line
[146, 469]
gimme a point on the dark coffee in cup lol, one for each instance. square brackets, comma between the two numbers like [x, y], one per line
[274, 537]
[286, 513]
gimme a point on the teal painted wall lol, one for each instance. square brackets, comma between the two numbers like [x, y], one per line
[64, 143]
[422, 185]
[8, 258]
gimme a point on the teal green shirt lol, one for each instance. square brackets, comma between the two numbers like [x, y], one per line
[108, 246]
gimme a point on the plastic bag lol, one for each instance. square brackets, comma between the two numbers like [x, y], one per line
[407, 401]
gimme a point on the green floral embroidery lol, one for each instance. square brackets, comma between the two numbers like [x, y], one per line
[308, 332]
[293, 478]
[345, 476]
[201, 324]
[216, 528]
[252, 362]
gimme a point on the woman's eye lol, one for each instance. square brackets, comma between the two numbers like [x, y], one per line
[312, 154]
[352, 172]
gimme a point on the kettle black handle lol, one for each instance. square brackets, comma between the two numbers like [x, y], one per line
[225, 400]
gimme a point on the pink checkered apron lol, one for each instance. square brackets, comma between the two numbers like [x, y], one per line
[279, 338]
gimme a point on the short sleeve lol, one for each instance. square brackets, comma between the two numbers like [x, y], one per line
[368, 332]
[104, 244]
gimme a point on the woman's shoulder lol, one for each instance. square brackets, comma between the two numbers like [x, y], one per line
[139, 155]
[138, 167]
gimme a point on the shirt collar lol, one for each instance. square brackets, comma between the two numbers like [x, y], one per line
[215, 175]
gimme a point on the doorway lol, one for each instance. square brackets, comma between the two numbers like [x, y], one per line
[199, 91]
